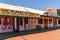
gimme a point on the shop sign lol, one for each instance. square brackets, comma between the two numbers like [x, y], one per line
[24, 14]
[4, 12]
[51, 11]
[17, 13]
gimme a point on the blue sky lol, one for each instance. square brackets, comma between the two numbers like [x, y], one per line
[36, 4]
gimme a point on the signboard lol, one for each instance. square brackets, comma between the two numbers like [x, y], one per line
[51, 11]
[29, 15]
[17, 13]
[4, 12]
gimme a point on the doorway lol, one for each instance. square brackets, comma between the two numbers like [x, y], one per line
[15, 24]
[25, 22]
[45, 23]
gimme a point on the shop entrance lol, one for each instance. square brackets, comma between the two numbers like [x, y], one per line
[15, 24]
[45, 23]
[18, 24]
[54, 22]
[25, 22]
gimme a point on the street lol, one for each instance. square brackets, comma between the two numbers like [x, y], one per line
[49, 35]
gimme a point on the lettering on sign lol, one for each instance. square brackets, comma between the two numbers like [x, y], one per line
[17, 13]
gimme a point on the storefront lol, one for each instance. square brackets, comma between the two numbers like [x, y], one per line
[12, 20]
[18, 20]
[47, 21]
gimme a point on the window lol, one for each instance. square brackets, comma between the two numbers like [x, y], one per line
[40, 21]
[58, 21]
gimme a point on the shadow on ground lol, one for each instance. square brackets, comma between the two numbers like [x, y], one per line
[20, 33]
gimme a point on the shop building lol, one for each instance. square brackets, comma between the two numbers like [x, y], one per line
[17, 18]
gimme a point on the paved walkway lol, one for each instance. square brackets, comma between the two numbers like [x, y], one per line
[23, 35]
[50, 35]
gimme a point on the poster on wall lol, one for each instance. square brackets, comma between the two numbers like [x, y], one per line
[6, 23]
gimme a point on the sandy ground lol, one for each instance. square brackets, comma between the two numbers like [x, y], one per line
[50, 35]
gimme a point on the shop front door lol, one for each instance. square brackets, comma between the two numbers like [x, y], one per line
[16, 24]
[25, 22]
[45, 23]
